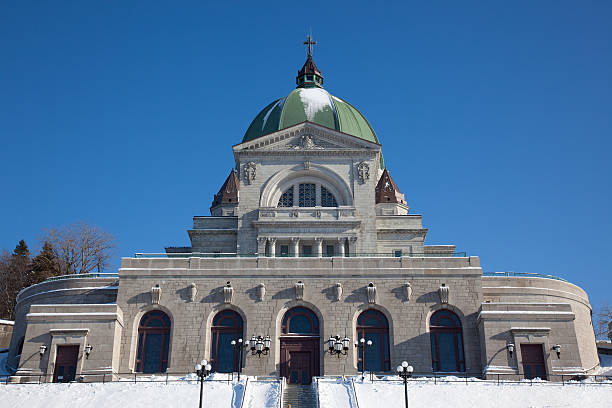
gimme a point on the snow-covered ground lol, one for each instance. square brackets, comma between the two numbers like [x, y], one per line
[483, 394]
[185, 393]
[333, 393]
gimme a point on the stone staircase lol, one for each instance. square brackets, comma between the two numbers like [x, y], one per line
[299, 396]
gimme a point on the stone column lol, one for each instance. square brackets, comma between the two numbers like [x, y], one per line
[296, 246]
[352, 246]
[272, 242]
[261, 246]
[319, 247]
[341, 242]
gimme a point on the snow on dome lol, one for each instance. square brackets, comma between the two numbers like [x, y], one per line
[314, 100]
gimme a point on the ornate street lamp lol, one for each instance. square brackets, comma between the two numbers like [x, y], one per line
[337, 346]
[510, 348]
[362, 348]
[41, 350]
[237, 345]
[88, 349]
[202, 371]
[405, 372]
[260, 345]
[557, 348]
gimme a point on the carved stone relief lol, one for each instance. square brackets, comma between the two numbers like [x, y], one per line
[250, 171]
[155, 295]
[299, 290]
[261, 292]
[443, 291]
[407, 291]
[228, 293]
[338, 291]
[363, 172]
[193, 291]
[371, 289]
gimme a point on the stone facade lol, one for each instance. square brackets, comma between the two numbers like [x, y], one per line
[308, 219]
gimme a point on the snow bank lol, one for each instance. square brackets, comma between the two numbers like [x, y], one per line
[140, 395]
[261, 394]
[481, 394]
[335, 393]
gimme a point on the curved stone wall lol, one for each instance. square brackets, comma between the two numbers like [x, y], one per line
[508, 289]
[64, 291]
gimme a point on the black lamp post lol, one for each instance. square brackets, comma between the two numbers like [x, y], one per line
[202, 371]
[237, 345]
[405, 372]
[362, 348]
[260, 345]
[337, 346]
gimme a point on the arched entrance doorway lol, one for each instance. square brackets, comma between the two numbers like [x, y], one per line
[299, 346]
[226, 326]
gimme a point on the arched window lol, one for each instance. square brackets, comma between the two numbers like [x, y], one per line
[226, 326]
[308, 195]
[300, 320]
[373, 325]
[286, 199]
[327, 198]
[153, 341]
[446, 342]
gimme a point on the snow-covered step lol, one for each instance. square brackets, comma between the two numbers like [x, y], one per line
[299, 396]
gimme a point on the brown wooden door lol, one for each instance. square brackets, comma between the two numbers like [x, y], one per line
[300, 371]
[533, 361]
[299, 359]
[66, 363]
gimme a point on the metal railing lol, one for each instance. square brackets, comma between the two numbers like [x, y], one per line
[166, 378]
[300, 255]
[83, 276]
[506, 378]
[178, 377]
[523, 274]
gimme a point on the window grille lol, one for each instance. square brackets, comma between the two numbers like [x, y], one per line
[286, 200]
[307, 195]
[327, 198]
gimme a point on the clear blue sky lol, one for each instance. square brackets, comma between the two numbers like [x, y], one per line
[494, 118]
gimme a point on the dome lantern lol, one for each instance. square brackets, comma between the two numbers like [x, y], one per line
[309, 76]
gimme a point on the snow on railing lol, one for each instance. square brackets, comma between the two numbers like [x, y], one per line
[523, 274]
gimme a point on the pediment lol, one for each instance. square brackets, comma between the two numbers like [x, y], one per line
[306, 137]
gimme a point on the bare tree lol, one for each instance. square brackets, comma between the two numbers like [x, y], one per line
[603, 319]
[80, 247]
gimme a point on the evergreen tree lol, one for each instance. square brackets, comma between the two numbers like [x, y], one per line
[15, 274]
[44, 265]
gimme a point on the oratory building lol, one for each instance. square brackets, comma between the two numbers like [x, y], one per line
[308, 238]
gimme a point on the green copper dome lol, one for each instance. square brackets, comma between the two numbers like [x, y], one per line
[312, 104]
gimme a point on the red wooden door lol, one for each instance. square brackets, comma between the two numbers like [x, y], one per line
[533, 361]
[66, 363]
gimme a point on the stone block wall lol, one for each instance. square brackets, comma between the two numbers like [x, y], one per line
[559, 306]
[66, 291]
[61, 324]
[408, 320]
[6, 331]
